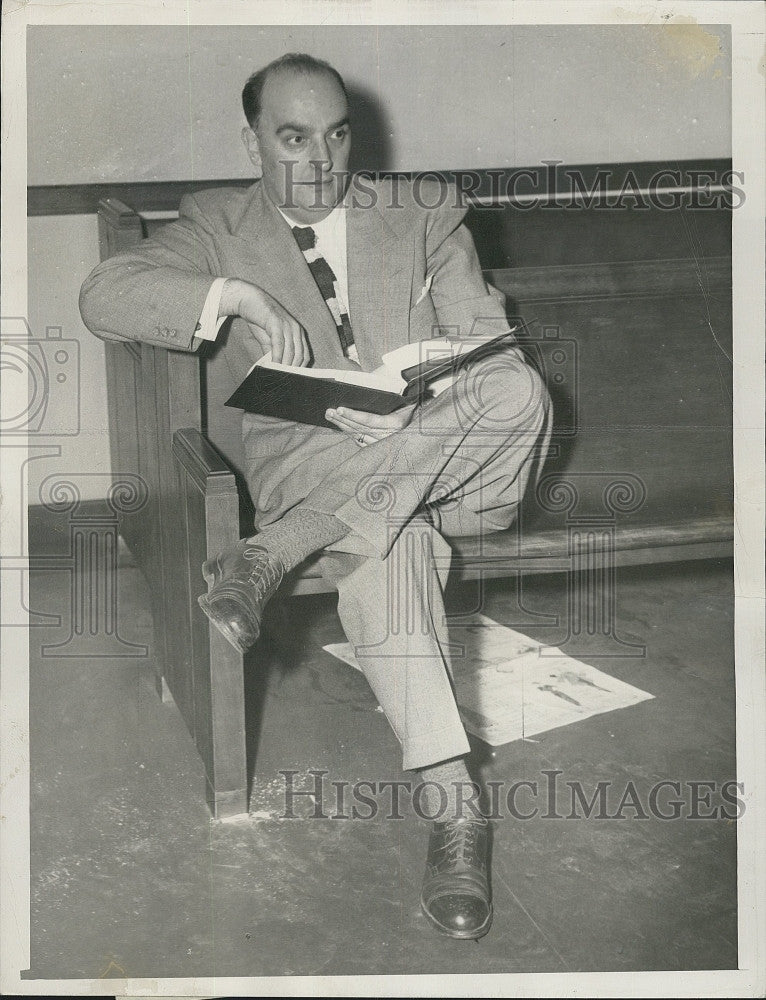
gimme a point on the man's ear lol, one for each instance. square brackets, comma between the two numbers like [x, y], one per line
[250, 140]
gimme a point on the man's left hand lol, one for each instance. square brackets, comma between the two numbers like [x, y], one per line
[365, 427]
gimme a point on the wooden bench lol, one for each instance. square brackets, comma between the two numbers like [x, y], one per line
[636, 354]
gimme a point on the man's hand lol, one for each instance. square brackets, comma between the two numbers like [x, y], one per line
[273, 328]
[365, 427]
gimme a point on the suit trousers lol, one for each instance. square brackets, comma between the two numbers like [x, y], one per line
[459, 468]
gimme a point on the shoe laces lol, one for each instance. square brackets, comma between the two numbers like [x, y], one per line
[266, 571]
[460, 843]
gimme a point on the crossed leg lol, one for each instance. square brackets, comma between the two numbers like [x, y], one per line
[460, 469]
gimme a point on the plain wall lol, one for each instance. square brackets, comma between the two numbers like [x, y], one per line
[162, 103]
[62, 250]
[132, 103]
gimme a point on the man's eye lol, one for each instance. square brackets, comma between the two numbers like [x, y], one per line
[295, 140]
[340, 134]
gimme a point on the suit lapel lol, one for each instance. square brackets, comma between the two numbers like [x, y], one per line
[379, 280]
[274, 261]
[379, 277]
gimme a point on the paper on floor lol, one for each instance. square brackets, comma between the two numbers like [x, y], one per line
[506, 691]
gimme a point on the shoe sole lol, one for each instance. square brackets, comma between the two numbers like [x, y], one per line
[211, 571]
[460, 935]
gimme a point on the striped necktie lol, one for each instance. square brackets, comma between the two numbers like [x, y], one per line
[326, 281]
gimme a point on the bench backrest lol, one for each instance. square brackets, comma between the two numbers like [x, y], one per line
[636, 354]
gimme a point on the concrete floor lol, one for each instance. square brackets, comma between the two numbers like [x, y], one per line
[130, 877]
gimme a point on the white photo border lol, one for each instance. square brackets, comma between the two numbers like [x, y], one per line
[747, 26]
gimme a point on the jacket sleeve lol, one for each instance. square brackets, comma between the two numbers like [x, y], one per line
[155, 292]
[463, 300]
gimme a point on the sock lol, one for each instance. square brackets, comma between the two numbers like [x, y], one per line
[440, 799]
[299, 534]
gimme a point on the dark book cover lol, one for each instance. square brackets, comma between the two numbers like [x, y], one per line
[292, 395]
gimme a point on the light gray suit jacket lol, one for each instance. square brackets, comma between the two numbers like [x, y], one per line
[413, 273]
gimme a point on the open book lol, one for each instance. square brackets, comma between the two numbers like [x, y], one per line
[407, 375]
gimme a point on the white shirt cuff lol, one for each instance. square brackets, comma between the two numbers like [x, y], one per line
[210, 322]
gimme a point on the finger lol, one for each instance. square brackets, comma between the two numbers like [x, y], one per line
[296, 343]
[288, 351]
[306, 350]
[372, 433]
[352, 430]
[369, 421]
[344, 425]
[277, 346]
[261, 337]
[342, 417]
[361, 419]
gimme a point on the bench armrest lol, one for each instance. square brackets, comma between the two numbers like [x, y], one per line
[206, 465]
[205, 471]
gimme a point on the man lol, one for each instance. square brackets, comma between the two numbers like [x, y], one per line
[324, 269]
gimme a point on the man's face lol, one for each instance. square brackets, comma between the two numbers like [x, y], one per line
[302, 143]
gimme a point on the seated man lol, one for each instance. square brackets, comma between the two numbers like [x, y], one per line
[321, 268]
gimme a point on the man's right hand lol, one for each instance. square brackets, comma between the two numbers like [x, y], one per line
[273, 328]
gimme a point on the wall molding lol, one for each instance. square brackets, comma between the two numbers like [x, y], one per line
[547, 185]
[626, 279]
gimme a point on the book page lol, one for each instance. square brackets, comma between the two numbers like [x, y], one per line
[436, 349]
[382, 378]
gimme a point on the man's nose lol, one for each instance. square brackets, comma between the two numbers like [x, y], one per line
[322, 157]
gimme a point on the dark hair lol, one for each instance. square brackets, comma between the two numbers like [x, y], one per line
[297, 62]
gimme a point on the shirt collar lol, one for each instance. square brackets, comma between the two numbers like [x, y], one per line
[327, 225]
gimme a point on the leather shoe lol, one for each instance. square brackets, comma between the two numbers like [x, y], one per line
[240, 582]
[456, 897]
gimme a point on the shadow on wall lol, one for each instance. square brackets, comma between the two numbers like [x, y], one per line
[371, 132]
